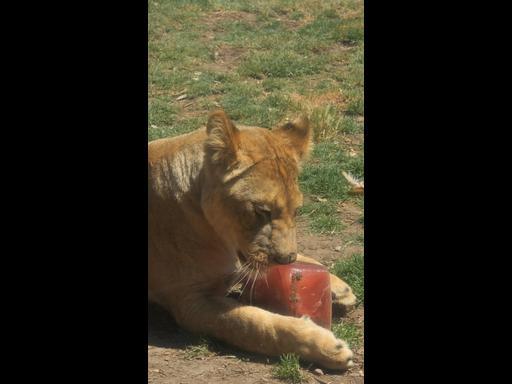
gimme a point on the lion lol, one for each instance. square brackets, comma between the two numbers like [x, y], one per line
[219, 199]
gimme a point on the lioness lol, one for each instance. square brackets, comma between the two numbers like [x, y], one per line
[222, 200]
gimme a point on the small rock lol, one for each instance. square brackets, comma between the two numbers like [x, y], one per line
[318, 372]
[338, 248]
[361, 373]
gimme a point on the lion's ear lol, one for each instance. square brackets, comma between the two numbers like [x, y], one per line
[297, 134]
[223, 140]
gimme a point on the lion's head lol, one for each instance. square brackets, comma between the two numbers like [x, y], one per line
[252, 194]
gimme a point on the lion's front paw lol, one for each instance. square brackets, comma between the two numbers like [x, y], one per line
[334, 353]
[342, 295]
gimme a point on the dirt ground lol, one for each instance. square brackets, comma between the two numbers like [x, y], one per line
[169, 362]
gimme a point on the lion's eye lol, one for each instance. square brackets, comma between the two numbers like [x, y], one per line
[263, 212]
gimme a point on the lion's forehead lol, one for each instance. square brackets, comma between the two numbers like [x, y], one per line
[260, 143]
[271, 182]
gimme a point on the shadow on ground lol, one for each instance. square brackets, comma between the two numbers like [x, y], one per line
[163, 332]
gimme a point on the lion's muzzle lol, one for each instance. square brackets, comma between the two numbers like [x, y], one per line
[286, 259]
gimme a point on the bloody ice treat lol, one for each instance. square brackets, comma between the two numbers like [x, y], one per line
[295, 289]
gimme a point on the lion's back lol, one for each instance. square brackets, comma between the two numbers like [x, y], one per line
[169, 146]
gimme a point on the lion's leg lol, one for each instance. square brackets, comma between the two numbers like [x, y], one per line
[256, 330]
[342, 294]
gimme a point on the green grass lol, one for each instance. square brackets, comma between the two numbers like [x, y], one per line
[161, 111]
[247, 103]
[200, 350]
[288, 369]
[348, 332]
[280, 64]
[352, 272]
[175, 127]
[321, 175]
[322, 217]
[326, 27]
[272, 48]
[321, 178]
[205, 84]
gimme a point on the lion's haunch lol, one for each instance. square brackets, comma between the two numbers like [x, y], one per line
[296, 289]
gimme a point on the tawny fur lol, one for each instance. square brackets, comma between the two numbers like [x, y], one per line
[223, 199]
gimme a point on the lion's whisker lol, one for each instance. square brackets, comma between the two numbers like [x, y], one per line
[265, 276]
[252, 287]
[241, 270]
[248, 280]
[245, 271]
[243, 267]
[239, 279]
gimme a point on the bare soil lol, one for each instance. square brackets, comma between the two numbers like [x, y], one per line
[169, 361]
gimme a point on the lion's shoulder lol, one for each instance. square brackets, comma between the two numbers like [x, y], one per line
[173, 163]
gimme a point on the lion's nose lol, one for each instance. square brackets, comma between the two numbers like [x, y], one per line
[287, 259]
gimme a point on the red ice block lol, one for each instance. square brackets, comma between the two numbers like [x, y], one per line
[295, 289]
